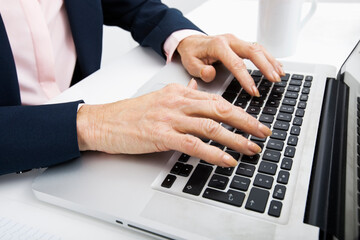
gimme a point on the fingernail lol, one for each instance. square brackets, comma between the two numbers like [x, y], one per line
[229, 161]
[276, 76]
[264, 129]
[254, 147]
[255, 91]
[280, 70]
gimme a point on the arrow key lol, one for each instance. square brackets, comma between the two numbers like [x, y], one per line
[257, 200]
[275, 208]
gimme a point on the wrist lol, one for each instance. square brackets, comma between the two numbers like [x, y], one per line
[84, 127]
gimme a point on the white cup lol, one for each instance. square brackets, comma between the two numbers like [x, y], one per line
[279, 25]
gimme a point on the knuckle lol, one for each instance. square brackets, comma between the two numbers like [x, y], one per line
[190, 144]
[230, 36]
[223, 109]
[255, 49]
[210, 127]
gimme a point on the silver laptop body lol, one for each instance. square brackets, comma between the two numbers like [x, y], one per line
[128, 190]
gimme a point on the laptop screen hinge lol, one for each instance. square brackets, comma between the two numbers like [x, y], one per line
[325, 206]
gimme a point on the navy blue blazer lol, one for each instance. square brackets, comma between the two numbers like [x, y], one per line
[41, 136]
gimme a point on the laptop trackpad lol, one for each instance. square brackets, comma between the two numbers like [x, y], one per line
[203, 219]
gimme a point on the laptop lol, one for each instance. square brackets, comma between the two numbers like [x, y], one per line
[303, 185]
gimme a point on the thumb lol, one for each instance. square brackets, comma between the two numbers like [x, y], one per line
[198, 68]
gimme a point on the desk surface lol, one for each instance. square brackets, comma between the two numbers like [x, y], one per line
[327, 38]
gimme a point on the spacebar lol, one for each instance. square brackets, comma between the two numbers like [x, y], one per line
[198, 179]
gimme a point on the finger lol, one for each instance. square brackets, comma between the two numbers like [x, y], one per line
[195, 147]
[210, 129]
[276, 64]
[222, 111]
[192, 84]
[198, 68]
[237, 67]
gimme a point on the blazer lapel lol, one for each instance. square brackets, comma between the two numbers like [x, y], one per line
[86, 23]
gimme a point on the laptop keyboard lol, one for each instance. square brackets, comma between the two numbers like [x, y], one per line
[260, 180]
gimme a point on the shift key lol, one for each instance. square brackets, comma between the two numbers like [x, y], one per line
[198, 179]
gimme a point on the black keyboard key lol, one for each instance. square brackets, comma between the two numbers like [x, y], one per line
[295, 130]
[297, 77]
[267, 167]
[295, 82]
[244, 96]
[278, 134]
[283, 177]
[218, 145]
[275, 96]
[279, 192]
[176, 168]
[293, 95]
[297, 121]
[264, 118]
[168, 181]
[229, 96]
[253, 138]
[273, 103]
[269, 110]
[305, 90]
[289, 151]
[289, 101]
[293, 88]
[234, 154]
[286, 164]
[253, 110]
[299, 112]
[183, 158]
[275, 208]
[308, 78]
[251, 159]
[286, 109]
[256, 102]
[304, 97]
[240, 183]
[286, 77]
[263, 181]
[256, 73]
[279, 90]
[241, 103]
[234, 86]
[292, 141]
[270, 155]
[218, 181]
[307, 84]
[302, 105]
[245, 170]
[227, 171]
[280, 84]
[186, 170]
[275, 145]
[257, 200]
[231, 197]
[284, 117]
[198, 179]
[281, 125]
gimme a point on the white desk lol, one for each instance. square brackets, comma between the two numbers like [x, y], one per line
[328, 38]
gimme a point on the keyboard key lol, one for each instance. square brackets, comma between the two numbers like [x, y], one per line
[305, 90]
[286, 164]
[297, 77]
[304, 97]
[224, 170]
[251, 159]
[253, 138]
[229, 96]
[308, 78]
[307, 84]
[234, 86]
[273, 103]
[266, 118]
[295, 130]
[263, 181]
[186, 170]
[241, 103]
[240, 183]
[218, 181]
[293, 88]
[287, 109]
[257, 200]
[176, 168]
[278, 134]
[276, 89]
[280, 84]
[183, 158]
[273, 156]
[198, 179]
[281, 125]
[275, 145]
[168, 181]
[297, 121]
[286, 77]
[283, 177]
[299, 112]
[253, 110]
[289, 151]
[279, 192]
[295, 82]
[260, 144]
[256, 73]
[256, 102]
[292, 141]
[275, 208]
[293, 95]
[245, 170]
[267, 167]
[284, 117]
[289, 101]
[244, 96]
[234, 154]
[231, 197]
[302, 105]
[275, 96]
[218, 145]
[269, 110]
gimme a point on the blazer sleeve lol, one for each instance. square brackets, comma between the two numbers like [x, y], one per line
[149, 21]
[37, 136]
